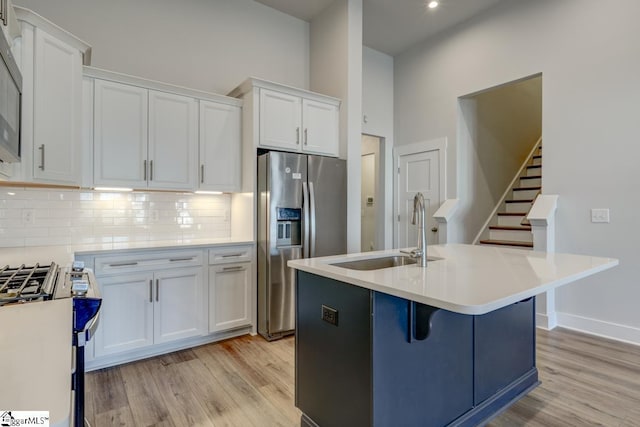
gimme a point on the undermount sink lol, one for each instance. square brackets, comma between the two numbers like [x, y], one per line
[379, 263]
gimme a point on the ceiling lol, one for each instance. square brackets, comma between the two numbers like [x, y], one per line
[392, 26]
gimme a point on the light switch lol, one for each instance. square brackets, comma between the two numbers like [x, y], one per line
[600, 215]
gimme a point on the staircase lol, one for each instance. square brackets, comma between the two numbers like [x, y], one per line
[508, 226]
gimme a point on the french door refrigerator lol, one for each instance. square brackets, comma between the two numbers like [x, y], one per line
[302, 213]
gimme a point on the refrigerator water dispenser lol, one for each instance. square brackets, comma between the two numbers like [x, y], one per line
[288, 230]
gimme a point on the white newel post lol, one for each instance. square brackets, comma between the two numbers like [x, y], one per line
[442, 216]
[543, 220]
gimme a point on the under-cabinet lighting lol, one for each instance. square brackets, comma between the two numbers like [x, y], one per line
[112, 189]
[209, 192]
[433, 4]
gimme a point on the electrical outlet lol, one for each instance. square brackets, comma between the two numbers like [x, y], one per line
[330, 315]
[28, 216]
[600, 215]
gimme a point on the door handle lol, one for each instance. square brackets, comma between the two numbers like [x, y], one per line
[151, 170]
[151, 290]
[312, 227]
[434, 229]
[201, 174]
[306, 137]
[305, 211]
[144, 170]
[157, 289]
[297, 136]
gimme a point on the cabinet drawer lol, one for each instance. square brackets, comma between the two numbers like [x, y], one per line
[230, 254]
[124, 263]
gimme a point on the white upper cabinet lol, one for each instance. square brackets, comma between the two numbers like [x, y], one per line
[320, 130]
[289, 119]
[120, 135]
[173, 141]
[220, 147]
[57, 110]
[144, 139]
[280, 120]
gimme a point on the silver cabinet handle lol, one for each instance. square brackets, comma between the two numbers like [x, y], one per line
[157, 289]
[231, 255]
[123, 264]
[180, 259]
[202, 174]
[145, 171]
[151, 290]
[306, 138]
[150, 170]
[234, 268]
[297, 135]
[41, 148]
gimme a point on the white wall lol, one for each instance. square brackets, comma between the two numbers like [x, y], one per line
[590, 63]
[336, 70]
[211, 45]
[377, 107]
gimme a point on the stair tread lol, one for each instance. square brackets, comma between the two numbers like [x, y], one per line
[533, 166]
[527, 188]
[539, 156]
[519, 201]
[512, 213]
[531, 177]
[507, 243]
[510, 227]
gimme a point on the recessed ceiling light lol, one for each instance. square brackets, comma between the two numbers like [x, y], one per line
[433, 4]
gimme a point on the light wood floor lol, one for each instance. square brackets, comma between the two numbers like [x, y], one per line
[586, 381]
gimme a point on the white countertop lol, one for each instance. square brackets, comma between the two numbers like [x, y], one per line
[469, 279]
[64, 254]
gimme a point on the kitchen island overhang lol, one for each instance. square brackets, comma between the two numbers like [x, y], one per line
[452, 344]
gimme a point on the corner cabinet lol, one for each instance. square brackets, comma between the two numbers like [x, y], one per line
[144, 138]
[291, 119]
[51, 65]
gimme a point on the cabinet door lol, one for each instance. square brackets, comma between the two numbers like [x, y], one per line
[173, 141]
[126, 315]
[180, 306]
[120, 135]
[229, 297]
[280, 120]
[220, 147]
[320, 133]
[57, 110]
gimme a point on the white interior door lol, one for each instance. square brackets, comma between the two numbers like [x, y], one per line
[417, 172]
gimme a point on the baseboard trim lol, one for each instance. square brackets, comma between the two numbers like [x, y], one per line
[614, 331]
[546, 321]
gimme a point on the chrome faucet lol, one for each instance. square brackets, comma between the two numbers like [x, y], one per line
[420, 252]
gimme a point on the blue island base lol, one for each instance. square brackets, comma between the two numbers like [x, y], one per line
[365, 358]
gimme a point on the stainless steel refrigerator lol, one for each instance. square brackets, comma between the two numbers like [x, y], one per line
[302, 213]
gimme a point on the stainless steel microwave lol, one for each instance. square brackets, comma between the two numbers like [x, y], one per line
[10, 98]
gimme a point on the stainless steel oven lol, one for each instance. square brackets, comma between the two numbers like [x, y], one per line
[48, 314]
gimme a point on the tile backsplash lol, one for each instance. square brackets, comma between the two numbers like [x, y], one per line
[43, 217]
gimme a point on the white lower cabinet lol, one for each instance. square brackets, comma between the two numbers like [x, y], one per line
[179, 305]
[126, 315]
[229, 296]
[140, 310]
[158, 301]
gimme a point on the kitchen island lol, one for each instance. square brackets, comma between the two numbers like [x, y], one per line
[449, 344]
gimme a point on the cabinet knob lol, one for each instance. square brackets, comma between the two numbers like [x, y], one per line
[434, 229]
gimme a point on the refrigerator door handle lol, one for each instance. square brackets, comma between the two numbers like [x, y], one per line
[305, 212]
[312, 228]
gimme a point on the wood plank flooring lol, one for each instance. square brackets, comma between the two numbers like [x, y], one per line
[246, 381]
